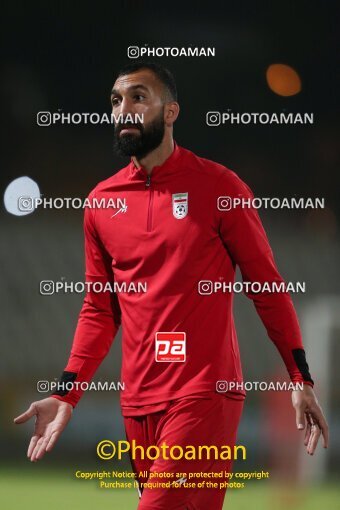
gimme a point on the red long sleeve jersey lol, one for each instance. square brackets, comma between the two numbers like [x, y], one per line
[168, 232]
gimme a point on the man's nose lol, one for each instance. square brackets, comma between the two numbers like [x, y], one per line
[125, 107]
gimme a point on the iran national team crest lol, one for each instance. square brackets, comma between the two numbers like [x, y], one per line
[180, 205]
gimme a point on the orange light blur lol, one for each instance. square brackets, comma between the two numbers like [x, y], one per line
[283, 80]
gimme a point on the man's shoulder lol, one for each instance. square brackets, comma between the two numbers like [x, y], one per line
[211, 169]
[111, 182]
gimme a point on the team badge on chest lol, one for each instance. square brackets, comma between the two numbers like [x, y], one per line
[180, 205]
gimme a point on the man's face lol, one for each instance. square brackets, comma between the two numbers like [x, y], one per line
[138, 93]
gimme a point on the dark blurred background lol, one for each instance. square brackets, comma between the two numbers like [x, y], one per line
[64, 56]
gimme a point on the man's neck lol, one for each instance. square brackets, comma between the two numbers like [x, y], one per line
[156, 157]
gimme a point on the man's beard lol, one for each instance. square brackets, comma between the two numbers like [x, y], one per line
[140, 145]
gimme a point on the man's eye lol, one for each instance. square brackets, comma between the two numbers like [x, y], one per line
[139, 97]
[114, 101]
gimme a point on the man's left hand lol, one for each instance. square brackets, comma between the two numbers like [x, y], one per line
[309, 417]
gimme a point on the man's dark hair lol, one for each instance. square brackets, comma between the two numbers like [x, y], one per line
[163, 74]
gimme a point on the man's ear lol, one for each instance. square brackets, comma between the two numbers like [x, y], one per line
[171, 112]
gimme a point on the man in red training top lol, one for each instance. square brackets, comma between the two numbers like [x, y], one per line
[166, 229]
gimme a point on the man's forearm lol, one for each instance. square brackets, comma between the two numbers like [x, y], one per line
[97, 326]
[280, 320]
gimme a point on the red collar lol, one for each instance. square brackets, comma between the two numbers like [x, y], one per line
[159, 172]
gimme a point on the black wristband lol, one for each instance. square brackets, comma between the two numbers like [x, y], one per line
[300, 360]
[66, 377]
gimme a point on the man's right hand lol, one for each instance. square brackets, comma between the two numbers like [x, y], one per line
[52, 416]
